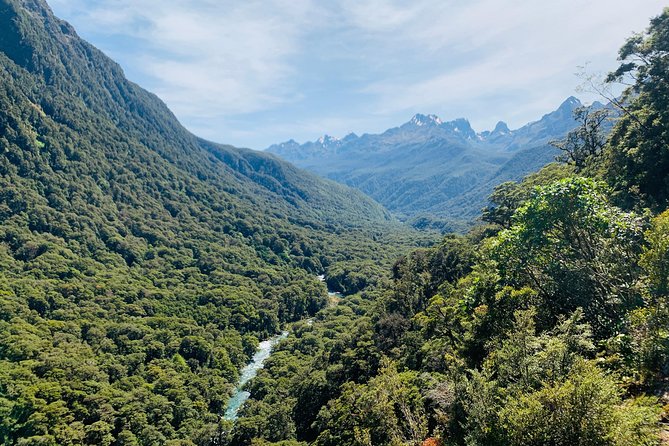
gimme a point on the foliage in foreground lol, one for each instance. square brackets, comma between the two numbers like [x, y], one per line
[535, 334]
[547, 326]
[136, 279]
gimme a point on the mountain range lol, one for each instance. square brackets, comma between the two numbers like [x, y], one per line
[141, 267]
[431, 171]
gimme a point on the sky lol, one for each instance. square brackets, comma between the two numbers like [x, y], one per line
[257, 72]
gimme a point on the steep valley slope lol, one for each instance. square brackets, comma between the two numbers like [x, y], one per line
[139, 264]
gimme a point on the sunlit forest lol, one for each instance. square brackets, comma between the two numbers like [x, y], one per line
[140, 267]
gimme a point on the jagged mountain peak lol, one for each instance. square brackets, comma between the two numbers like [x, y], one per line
[425, 120]
[565, 111]
[570, 104]
[460, 127]
[501, 128]
[291, 143]
[438, 163]
[327, 140]
[460, 123]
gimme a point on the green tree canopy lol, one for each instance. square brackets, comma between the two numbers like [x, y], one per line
[637, 157]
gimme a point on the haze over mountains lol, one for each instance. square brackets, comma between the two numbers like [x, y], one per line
[141, 266]
[430, 167]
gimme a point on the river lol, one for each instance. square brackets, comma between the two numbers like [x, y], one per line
[257, 362]
[248, 373]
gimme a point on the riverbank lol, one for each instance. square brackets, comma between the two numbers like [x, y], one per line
[249, 372]
[263, 352]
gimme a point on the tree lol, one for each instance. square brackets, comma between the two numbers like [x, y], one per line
[507, 197]
[576, 250]
[637, 157]
[537, 389]
[648, 332]
[583, 410]
[587, 140]
[389, 410]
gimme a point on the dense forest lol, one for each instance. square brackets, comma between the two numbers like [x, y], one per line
[545, 325]
[140, 266]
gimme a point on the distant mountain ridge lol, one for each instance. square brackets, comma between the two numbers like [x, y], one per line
[427, 166]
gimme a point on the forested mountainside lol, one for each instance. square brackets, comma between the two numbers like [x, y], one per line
[547, 325]
[435, 173]
[140, 265]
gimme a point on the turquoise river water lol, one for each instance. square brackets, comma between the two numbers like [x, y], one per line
[251, 370]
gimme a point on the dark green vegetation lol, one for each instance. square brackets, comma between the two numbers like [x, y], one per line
[139, 265]
[547, 325]
[437, 174]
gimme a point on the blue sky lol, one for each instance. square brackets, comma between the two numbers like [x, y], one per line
[257, 72]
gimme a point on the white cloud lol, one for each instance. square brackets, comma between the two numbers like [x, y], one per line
[205, 58]
[488, 48]
[247, 69]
